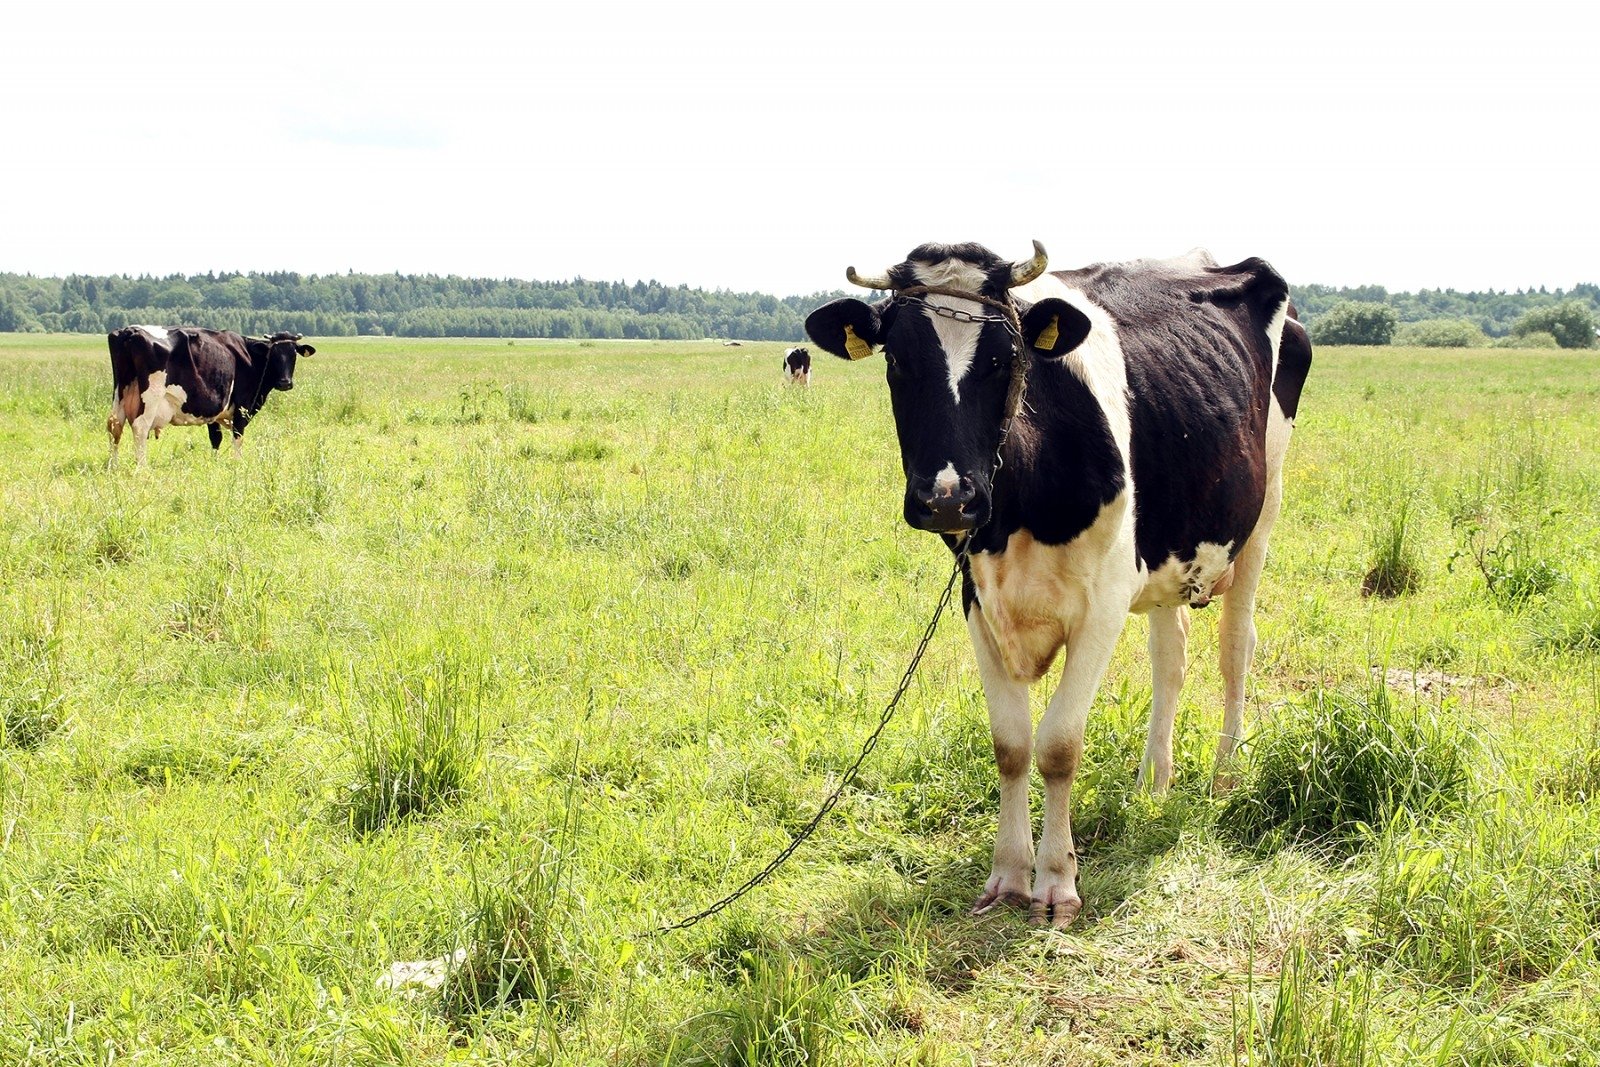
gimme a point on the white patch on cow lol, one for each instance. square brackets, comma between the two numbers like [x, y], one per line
[1275, 334]
[1194, 259]
[952, 273]
[947, 481]
[1034, 595]
[1279, 428]
[1098, 362]
[959, 340]
[162, 403]
[158, 332]
[1178, 582]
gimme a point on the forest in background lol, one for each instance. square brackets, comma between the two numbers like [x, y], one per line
[427, 305]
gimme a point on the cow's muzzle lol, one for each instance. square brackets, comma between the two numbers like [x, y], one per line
[284, 385]
[945, 507]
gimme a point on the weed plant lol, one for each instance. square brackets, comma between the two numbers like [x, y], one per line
[1336, 765]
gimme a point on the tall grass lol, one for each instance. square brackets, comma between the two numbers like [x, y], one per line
[1396, 559]
[780, 1014]
[415, 737]
[521, 940]
[1336, 765]
[31, 693]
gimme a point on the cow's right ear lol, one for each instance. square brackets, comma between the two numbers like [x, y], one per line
[305, 350]
[849, 329]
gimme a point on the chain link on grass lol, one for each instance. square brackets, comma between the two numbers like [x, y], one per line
[805, 832]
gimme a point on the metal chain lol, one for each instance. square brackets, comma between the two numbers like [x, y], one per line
[1019, 373]
[953, 313]
[828, 805]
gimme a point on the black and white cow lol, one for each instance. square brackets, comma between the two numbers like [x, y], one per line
[187, 376]
[797, 366]
[1142, 473]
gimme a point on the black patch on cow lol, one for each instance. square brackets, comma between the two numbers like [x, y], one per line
[205, 364]
[1294, 363]
[996, 271]
[797, 360]
[1062, 466]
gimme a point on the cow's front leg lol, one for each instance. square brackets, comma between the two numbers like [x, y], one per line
[1059, 748]
[141, 437]
[1011, 727]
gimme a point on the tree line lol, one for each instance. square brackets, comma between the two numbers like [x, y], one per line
[1445, 318]
[400, 305]
[430, 305]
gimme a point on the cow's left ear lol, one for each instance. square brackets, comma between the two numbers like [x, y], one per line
[849, 329]
[305, 350]
[1054, 327]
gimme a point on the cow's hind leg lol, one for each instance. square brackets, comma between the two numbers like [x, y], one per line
[1238, 631]
[215, 433]
[1169, 641]
[114, 426]
[125, 407]
[1058, 747]
[1011, 726]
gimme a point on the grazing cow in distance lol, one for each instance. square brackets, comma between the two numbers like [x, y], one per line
[797, 366]
[187, 376]
[1140, 413]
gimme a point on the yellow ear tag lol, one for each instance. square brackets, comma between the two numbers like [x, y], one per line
[1048, 336]
[854, 345]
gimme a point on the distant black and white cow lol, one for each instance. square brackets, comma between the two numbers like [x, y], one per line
[1153, 405]
[797, 366]
[187, 376]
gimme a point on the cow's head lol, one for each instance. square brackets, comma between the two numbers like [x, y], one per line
[282, 351]
[949, 365]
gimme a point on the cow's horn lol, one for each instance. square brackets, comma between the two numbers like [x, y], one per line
[1025, 271]
[876, 282]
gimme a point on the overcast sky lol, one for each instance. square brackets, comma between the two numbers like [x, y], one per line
[758, 146]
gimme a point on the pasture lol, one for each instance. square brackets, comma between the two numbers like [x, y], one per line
[529, 648]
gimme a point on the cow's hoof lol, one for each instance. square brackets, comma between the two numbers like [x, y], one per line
[1001, 891]
[1056, 907]
[1154, 778]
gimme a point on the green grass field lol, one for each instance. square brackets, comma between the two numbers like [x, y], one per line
[528, 648]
